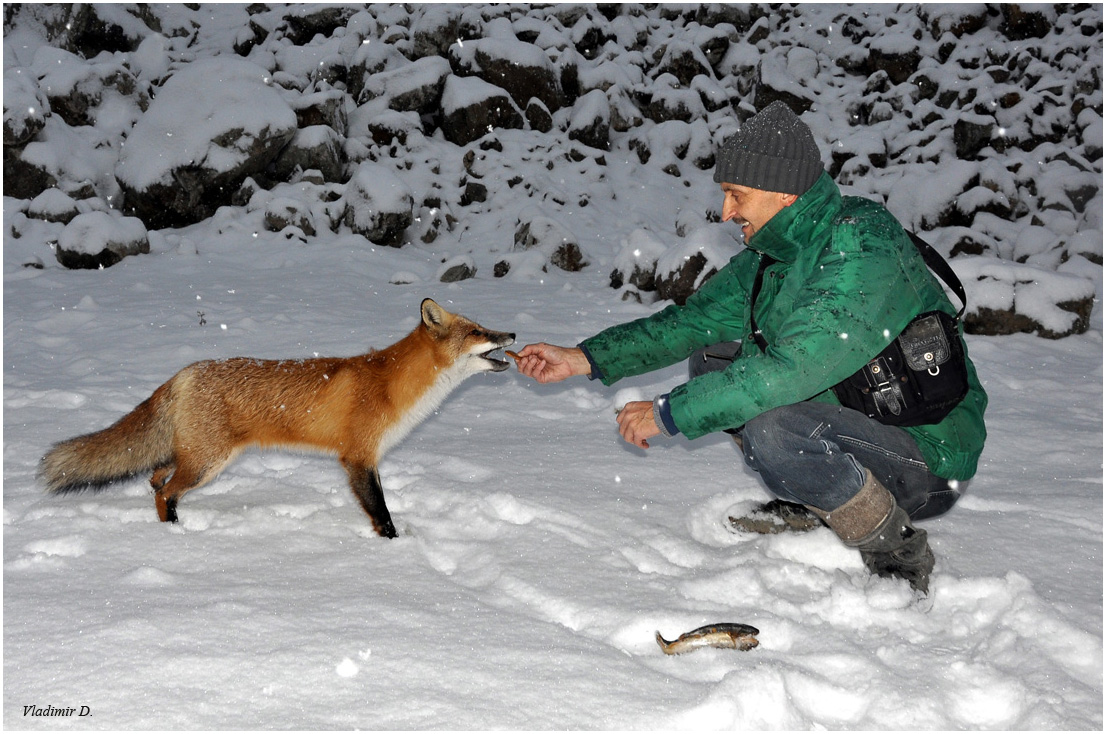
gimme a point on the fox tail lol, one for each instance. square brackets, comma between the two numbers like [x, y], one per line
[139, 442]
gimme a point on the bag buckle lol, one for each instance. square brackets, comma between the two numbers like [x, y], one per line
[884, 391]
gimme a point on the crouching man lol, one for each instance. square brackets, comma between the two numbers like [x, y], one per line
[825, 283]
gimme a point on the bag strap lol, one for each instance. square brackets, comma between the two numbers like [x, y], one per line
[938, 265]
[758, 280]
[933, 261]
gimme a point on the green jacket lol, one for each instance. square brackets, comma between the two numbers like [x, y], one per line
[847, 281]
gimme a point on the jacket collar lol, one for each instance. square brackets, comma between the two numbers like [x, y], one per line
[787, 233]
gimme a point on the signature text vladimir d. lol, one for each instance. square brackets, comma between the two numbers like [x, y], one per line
[55, 711]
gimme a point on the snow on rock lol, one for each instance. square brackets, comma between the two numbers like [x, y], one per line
[681, 270]
[378, 205]
[100, 239]
[315, 147]
[25, 106]
[53, 205]
[416, 87]
[521, 68]
[455, 269]
[538, 232]
[214, 123]
[1009, 299]
[636, 263]
[472, 108]
[590, 123]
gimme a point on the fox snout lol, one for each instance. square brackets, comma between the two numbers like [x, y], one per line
[500, 339]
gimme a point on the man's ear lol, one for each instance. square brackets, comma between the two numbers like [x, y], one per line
[789, 199]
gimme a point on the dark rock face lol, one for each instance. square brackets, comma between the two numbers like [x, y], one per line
[318, 148]
[679, 284]
[480, 108]
[992, 322]
[520, 68]
[223, 145]
[193, 193]
[378, 205]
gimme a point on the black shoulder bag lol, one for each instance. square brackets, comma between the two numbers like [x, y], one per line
[920, 376]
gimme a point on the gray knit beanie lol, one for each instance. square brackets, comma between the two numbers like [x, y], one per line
[773, 151]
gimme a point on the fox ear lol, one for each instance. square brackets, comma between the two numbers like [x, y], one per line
[433, 316]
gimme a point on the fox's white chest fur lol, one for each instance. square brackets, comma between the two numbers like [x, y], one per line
[446, 381]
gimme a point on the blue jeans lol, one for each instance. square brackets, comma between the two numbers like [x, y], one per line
[815, 453]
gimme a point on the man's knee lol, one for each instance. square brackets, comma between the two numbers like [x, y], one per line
[779, 428]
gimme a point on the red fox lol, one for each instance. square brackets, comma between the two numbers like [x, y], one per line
[356, 407]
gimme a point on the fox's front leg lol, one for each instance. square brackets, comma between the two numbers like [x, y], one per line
[365, 483]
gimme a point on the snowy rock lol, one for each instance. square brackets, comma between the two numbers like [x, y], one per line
[378, 205]
[284, 212]
[522, 69]
[687, 265]
[897, 60]
[590, 122]
[306, 22]
[94, 28]
[678, 283]
[25, 107]
[685, 61]
[636, 263]
[1009, 299]
[959, 19]
[53, 205]
[670, 100]
[25, 177]
[199, 141]
[99, 240]
[538, 116]
[1021, 22]
[392, 128]
[471, 108]
[416, 87]
[435, 31]
[625, 115]
[322, 108]
[317, 147]
[775, 82]
[536, 231]
[457, 269]
[668, 144]
[474, 192]
[589, 34]
[971, 134]
[76, 88]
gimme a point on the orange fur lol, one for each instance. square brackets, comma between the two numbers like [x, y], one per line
[355, 407]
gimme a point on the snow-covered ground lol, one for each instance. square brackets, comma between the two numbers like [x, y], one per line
[538, 553]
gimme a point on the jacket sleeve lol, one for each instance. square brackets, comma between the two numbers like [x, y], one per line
[715, 313]
[830, 315]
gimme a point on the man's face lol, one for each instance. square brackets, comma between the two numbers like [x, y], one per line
[752, 208]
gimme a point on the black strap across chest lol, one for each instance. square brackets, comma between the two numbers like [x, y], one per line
[933, 261]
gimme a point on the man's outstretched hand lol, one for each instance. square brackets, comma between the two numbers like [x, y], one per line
[548, 363]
